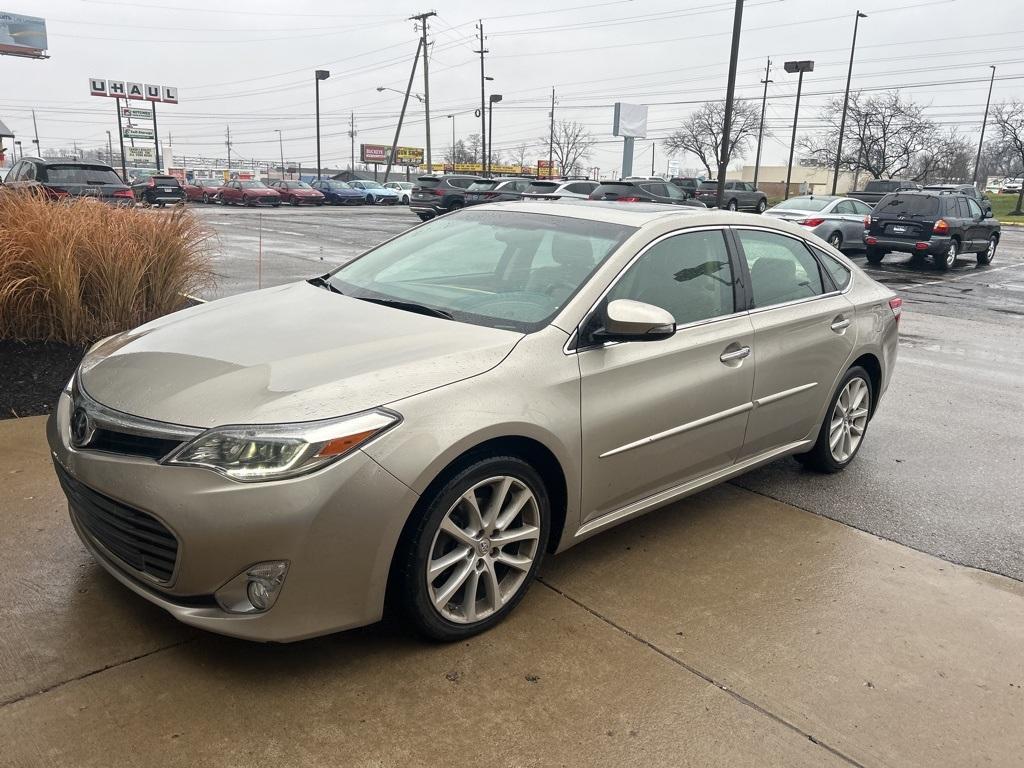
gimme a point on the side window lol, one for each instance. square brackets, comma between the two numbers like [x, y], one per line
[14, 173]
[964, 210]
[838, 272]
[689, 275]
[460, 183]
[845, 206]
[748, 186]
[781, 268]
[671, 190]
[950, 207]
[861, 208]
[975, 208]
[28, 173]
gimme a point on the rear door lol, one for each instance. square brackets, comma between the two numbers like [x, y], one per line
[978, 229]
[657, 414]
[804, 336]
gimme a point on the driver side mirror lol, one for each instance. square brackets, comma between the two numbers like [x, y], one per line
[627, 320]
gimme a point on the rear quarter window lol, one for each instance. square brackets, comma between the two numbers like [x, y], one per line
[834, 269]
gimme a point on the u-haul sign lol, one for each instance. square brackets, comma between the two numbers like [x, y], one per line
[122, 89]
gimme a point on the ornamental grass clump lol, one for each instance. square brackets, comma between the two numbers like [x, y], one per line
[73, 271]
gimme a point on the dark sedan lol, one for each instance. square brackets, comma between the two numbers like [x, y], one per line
[643, 192]
[297, 193]
[338, 192]
[70, 179]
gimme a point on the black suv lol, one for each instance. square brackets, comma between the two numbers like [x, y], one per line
[69, 178]
[940, 225]
[497, 190]
[434, 195]
[159, 191]
[688, 184]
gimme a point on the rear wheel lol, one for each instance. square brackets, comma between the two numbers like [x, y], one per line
[874, 255]
[946, 259]
[471, 555]
[370, 200]
[845, 424]
[836, 240]
[732, 205]
[456, 205]
[206, 198]
[761, 205]
[424, 216]
[986, 256]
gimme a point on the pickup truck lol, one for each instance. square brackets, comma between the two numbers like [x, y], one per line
[876, 189]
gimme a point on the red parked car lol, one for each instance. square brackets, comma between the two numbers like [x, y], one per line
[202, 190]
[248, 193]
[297, 193]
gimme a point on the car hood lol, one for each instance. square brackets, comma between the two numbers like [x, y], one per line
[345, 192]
[261, 192]
[292, 353]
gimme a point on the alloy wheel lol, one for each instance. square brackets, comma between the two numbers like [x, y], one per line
[483, 550]
[835, 240]
[849, 420]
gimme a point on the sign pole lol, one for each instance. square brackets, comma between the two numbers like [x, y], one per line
[156, 139]
[120, 138]
[401, 115]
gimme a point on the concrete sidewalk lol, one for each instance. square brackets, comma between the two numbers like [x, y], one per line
[729, 630]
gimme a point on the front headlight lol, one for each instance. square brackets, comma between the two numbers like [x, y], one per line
[258, 452]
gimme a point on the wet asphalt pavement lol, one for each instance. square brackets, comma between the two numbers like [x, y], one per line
[941, 469]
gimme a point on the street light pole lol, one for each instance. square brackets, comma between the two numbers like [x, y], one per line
[981, 140]
[280, 145]
[730, 91]
[452, 118]
[791, 67]
[320, 74]
[846, 101]
[494, 99]
[760, 130]
[110, 150]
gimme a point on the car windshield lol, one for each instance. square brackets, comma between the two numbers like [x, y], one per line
[82, 174]
[502, 269]
[296, 185]
[372, 185]
[803, 204]
[338, 185]
[253, 185]
[709, 185]
[210, 183]
[909, 205]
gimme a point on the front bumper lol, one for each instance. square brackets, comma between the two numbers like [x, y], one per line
[337, 528]
[936, 244]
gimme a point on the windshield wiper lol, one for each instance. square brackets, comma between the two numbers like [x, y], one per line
[323, 282]
[409, 306]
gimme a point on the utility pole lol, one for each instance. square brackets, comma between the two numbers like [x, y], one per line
[401, 115]
[421, 18]
[654, 145]
[551, 135]
[227, 143]
[156, 139]
[760, 131]
[280, 146]
[723, 163]
[352, 140]
[110, 151]
[483, 99]
[35, 130]
[981, 140]
[846, 101]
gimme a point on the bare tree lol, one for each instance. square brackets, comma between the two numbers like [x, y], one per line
[701, 133]
[1009, 120]
[885, 135]
[949, 159]
[458, 154]
[519, 155]
[473, 145]
[571, 145]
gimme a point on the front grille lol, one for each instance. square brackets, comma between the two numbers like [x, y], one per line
[128, 444]
[137, 539]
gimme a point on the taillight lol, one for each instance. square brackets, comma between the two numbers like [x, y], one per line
[867, 222]
[627, 199]
[124, 193]
[941, 227]
[871, 240]
[896, 305]
[810, 222]
[439, 192]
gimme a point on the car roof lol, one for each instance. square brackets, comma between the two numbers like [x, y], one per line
[636, 214]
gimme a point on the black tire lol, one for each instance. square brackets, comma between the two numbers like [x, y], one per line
[986, 256]
[836, 240]
[206, 198]
[820, 457]
[732, 206]
[762, 205]
[370, 200]
[456, 205]
[943, 261]
[425, 216]
[874, 255]
[414, 548]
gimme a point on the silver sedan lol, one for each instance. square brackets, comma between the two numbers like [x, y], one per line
[427, 422]
[837, 220]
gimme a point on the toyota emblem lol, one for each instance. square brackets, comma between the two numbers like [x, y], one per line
[81, 428]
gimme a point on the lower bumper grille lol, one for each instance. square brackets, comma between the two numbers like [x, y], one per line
[139, 540]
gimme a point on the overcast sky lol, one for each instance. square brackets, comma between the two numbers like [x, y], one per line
[250, 64]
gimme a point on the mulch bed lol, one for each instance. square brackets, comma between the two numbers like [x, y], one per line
[33, 374]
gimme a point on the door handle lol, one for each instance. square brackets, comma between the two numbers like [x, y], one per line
[840, 324]
[736, 354]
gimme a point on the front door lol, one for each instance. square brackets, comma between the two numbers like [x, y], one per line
[656, 414]
[804, 335]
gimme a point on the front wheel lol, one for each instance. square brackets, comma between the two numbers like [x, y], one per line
[370, 200]
[732, 205]
[836, 240]
[761, 205]
[424, 216]
[206, 198]
[846, 422]
[986, 256]
[946, 259]
[471, 555]
[874, 255]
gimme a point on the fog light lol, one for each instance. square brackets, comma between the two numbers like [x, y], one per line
[255, 589]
